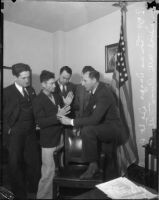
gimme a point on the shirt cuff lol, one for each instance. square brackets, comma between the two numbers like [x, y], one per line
[72, 122]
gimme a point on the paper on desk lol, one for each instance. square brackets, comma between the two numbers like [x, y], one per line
[123, 188]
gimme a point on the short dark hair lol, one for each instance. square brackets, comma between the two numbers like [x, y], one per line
[46, 75]
[94, 74]
[20, 67]
[87, 68]
[67, 69]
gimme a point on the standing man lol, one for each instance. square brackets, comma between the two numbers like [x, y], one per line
[19, 130]
[101, 121]
[65, 88]
[47, 107]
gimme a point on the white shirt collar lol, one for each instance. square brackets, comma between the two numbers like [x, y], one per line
[20, 88]
[93, 91]
[62, 86]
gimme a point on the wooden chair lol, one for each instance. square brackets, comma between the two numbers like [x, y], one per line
[69, 166]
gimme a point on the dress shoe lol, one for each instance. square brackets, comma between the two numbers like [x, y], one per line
[91, 171]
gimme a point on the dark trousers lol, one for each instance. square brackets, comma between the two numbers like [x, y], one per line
[24, 162]
[93, 135]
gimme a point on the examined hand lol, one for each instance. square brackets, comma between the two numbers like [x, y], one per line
[68, 99]
[65, 120]
[63, 111]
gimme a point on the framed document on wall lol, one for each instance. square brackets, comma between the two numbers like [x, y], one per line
[110, 57]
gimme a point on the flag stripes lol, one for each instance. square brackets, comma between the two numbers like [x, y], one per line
[127, 152]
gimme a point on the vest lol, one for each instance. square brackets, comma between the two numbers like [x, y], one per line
[26, 117]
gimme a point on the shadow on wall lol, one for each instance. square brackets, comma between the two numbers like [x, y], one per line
[76, 78]
[105, 79]
[36, 83]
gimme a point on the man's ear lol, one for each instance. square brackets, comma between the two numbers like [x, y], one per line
[43, 84]
[94, 80]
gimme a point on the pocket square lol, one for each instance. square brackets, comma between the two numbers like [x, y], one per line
[94, 106]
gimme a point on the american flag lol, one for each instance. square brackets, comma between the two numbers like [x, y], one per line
[121, 84]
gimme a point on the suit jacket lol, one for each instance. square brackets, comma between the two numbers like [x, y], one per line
[11, 105]
[45, 113]
[81, 100]
[100, 109]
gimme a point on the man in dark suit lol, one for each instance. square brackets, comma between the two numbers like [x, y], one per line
[47, 106]
[19, 132]
[100, 122]
[65, 88]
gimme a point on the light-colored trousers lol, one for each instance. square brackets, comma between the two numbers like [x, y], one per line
[45, 187]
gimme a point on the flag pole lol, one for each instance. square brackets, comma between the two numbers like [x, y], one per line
[127, 152]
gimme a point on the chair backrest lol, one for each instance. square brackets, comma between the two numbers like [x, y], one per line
[73, 146]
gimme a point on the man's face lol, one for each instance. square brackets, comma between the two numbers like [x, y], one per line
[87, 82]
[49, 85]
[64, 77]
[23, 79]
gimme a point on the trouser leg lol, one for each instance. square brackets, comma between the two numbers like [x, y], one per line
[91, 135]
[16, 162]
[89, 144]
[45, 187]
[33, 162]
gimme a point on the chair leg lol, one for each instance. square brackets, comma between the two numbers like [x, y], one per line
[55, 190]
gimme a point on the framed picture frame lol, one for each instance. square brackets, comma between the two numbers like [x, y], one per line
[110, 57]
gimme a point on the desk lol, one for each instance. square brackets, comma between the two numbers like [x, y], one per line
[98, 194]
[93, 194]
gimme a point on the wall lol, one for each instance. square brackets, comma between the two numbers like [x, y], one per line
[58, 42]
[28, 45]
[86, 46]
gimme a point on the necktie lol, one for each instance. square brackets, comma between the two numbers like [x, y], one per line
[64, 90]
[26, 95]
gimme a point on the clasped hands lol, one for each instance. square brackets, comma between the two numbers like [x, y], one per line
[61, 115]
[66, 109]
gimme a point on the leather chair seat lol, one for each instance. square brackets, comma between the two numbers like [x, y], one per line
[69, 175]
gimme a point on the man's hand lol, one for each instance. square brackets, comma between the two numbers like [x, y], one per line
[65, 120]
[69, 98]
[63, 111]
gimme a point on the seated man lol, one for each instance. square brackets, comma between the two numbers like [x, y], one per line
[100, 121]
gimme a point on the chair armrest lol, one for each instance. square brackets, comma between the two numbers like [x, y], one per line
[58, 158]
